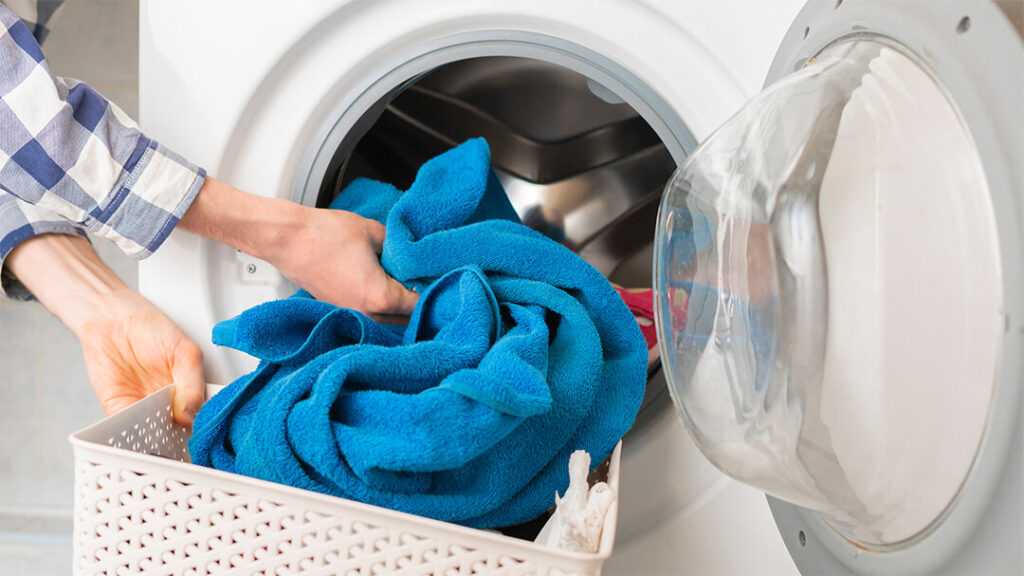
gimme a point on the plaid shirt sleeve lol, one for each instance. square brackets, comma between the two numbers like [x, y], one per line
[78, 159]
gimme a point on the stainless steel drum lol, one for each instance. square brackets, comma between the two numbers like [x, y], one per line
[578, 165]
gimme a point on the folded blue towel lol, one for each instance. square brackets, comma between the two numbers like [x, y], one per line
[517, 354]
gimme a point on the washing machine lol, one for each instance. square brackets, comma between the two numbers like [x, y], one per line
[827, 200]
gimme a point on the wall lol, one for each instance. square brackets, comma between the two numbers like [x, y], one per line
[45, 391]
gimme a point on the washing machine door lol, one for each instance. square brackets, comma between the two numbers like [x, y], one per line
[838, 276]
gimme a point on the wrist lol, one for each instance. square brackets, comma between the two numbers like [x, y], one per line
[67, 276]
[253, 224]
[274, 227]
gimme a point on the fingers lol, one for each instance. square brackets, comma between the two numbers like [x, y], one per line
[404, 300]
[389, 302]
[189, 383]
[376, 232]
[398, 301]
[345, 269]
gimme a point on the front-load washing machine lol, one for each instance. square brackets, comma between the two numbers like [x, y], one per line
[838, 264]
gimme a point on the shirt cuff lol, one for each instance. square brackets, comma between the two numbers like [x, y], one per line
[158, 190]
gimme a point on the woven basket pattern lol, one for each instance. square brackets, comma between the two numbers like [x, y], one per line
[133, 516]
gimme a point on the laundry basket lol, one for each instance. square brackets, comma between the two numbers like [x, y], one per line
[142, 508]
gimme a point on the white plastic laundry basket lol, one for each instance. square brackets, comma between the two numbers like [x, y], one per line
[142, 508]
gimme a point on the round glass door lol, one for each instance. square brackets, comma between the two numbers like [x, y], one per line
[828, 293]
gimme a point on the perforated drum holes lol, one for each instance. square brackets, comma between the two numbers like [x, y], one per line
[964, 25]
[838, 4]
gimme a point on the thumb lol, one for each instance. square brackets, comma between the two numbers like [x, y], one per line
[401, 299]
[376, 232]
[189, 383]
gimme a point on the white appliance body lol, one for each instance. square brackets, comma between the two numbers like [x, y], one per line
[248, 89]
[250, 123]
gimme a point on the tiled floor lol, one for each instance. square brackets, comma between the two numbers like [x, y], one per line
[46, 394]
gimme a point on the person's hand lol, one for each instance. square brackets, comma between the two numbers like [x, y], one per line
[334, 257]
[331, 254]
[131, 349]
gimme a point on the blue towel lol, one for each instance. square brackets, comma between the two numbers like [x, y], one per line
[517, 354]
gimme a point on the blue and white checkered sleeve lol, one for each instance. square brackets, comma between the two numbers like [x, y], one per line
[67, 150]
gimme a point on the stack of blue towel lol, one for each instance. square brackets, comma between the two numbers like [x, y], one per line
[517, 354]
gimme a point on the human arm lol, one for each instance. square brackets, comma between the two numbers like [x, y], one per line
[67, 150]
[131, 349]
[70, 152]
[20, 221]
[70, 161]
[76, 158]
[332, 254]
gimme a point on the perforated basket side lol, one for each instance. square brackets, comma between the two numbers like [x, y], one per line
[141, 508]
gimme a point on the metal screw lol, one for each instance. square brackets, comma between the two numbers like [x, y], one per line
[964, 25]
[251, 268]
